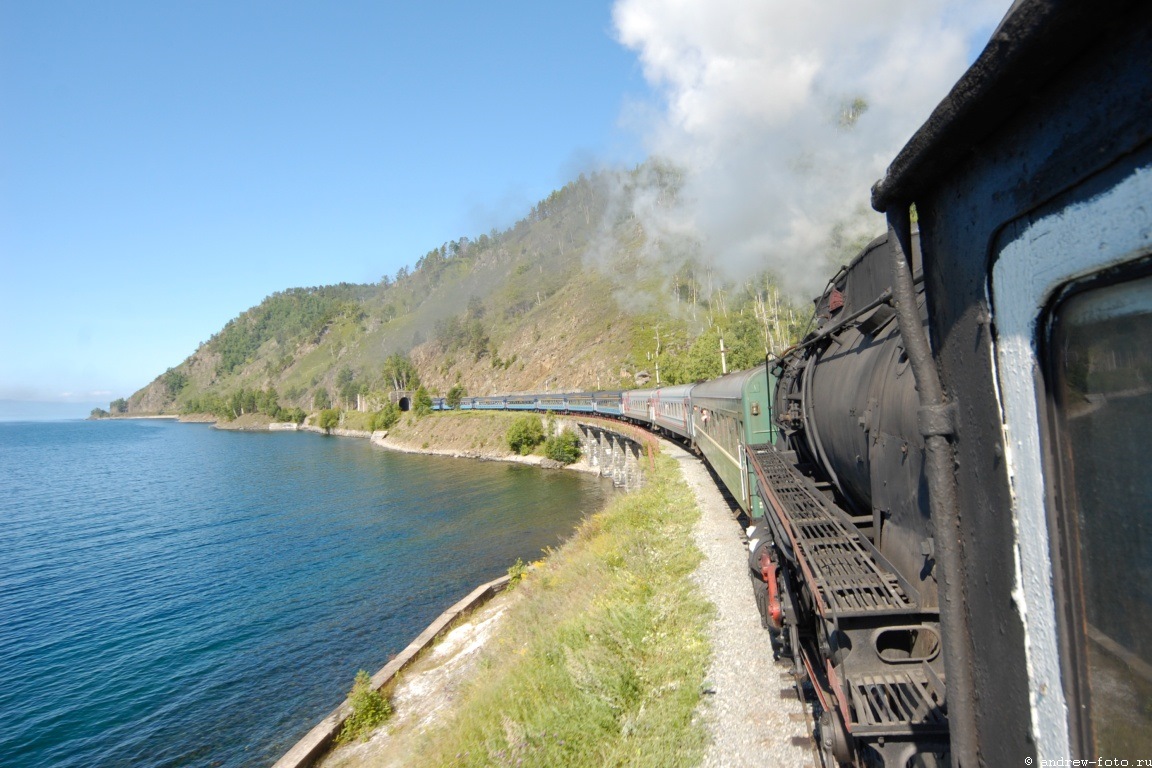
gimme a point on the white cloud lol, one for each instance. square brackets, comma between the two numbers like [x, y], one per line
[756, 96]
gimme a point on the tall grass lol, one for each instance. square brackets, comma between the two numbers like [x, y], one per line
[602, 660]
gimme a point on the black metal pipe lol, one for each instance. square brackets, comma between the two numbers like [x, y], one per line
[936, 420]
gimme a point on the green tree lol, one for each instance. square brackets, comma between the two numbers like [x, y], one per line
[329, 419]
[296, 415]
[119, 405]
[385, 418]
[174, 381]
[346, 386]
[268, 401]
[455, 395]
[525, 434]
[321, 399]
[477, 339]
[422, 401]
[564, 447]
[400, 372]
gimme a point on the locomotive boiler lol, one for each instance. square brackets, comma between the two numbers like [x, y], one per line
[845, 554]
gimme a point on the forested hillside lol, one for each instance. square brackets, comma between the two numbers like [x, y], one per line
[574, 296]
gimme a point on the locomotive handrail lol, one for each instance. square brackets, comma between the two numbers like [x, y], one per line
[841, 322]
[942, 498]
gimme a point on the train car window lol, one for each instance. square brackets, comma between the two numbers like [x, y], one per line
[1100, 362]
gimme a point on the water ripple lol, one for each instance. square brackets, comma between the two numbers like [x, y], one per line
[173, 595]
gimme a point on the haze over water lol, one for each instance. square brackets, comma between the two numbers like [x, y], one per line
[175, 595]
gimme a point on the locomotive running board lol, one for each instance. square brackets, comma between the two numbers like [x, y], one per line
[898, 704]
[850, 577]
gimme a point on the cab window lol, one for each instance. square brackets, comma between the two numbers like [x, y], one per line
[1100, 366]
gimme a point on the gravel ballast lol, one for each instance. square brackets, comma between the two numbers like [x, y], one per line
[753, 714]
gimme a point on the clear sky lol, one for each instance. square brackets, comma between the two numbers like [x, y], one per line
[164, 166]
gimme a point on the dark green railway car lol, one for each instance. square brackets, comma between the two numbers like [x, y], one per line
[727, 414]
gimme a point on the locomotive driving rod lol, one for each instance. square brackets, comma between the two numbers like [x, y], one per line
[937, 424]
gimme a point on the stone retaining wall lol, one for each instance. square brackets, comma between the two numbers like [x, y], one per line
[319, 739]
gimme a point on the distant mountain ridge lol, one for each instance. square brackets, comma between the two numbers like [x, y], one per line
[572, 297]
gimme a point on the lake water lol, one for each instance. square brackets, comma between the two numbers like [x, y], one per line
[176, 595]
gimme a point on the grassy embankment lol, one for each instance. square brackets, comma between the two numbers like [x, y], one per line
[602, 657]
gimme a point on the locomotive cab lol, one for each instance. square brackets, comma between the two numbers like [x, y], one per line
[1032, 181]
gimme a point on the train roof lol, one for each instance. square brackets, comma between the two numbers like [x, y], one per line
[1035, 39]
[675, 390]
[730, 386]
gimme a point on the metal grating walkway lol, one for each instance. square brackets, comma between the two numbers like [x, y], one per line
[897, 703]
[851, 577]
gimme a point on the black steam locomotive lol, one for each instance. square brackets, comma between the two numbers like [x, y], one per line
[958, 539]
[951, 510]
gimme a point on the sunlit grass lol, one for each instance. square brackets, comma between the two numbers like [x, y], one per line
[602, 661]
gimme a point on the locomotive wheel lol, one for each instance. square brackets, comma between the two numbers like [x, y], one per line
[834, 739]
[792, 650]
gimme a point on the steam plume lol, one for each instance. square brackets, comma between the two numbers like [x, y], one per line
[783, 114]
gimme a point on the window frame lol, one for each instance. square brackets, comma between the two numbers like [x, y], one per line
[1038, 258]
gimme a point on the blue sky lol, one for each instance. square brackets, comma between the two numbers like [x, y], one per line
[164, 166]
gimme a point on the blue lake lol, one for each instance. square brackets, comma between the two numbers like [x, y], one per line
[175, 595]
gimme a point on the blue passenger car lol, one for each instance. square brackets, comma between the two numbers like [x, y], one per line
[607, 403]
[580, 402]
[553, 401]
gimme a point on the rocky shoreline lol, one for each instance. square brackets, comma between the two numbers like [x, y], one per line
[382, 440]
[458, 435]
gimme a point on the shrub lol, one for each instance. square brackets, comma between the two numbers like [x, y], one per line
[385, 418]
[564, 447]
[293, 414]
[329, 419]
[525, 434]
[321, 399]
[369, 709]
[422, 402]
[455, 395]
[516, 573]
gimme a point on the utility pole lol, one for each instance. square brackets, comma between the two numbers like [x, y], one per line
[657, 355]
[723, 358]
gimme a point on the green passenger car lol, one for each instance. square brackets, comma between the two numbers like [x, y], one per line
[727, 414]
